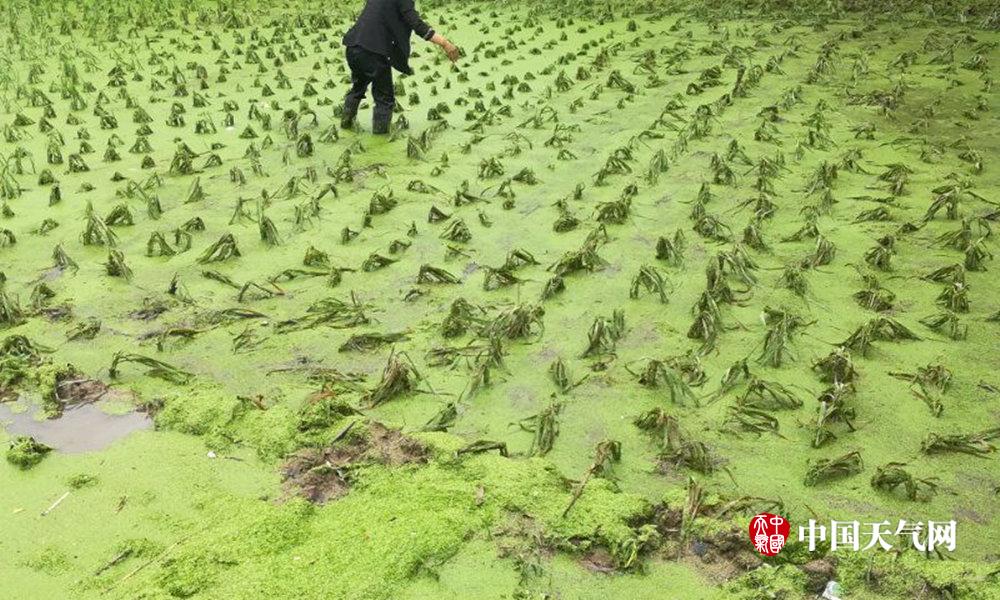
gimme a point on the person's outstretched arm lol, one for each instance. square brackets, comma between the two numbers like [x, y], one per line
[451, 50]
[421, 28]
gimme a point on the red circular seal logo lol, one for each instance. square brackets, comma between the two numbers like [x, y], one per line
[769, 533]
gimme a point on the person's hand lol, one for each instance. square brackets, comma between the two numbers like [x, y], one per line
[451, 51]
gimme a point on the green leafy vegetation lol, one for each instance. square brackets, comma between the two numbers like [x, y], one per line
[624, 276]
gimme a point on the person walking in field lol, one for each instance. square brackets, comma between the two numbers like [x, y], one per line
[378, 43]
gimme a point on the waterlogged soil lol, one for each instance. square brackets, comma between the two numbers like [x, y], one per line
[292, 459]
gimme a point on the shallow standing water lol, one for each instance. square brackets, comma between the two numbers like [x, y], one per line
[83, 428]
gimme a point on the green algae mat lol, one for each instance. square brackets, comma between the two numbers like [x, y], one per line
[624, 277]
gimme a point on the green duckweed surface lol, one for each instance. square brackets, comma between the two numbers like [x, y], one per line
[594, 217]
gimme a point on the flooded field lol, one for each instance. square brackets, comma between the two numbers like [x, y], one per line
[625, 276]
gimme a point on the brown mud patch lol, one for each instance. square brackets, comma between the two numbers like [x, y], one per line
[723, 556]
[818, 572]
[73, 389]
[719, 557]
[322, 475]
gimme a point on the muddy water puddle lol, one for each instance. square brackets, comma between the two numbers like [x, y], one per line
[82, 428]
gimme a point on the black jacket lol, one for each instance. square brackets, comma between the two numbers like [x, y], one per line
[384, 27]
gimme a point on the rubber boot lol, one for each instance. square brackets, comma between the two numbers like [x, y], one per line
[381, 119]
[350, 113]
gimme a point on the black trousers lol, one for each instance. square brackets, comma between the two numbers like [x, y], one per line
[369, 68]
